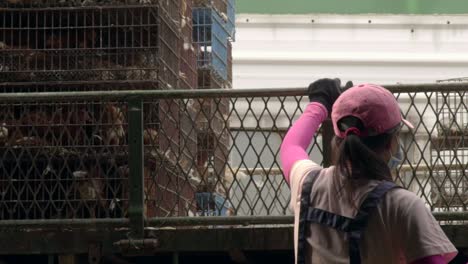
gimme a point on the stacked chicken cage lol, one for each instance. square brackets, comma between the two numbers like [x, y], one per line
[70, 160]
[213, 31]
[450, 152]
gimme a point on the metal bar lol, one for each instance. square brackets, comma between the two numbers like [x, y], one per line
[180, 221]
[65, 223]
[76, 241]
[221, 220]
[434, 167]
[215, 239]
[137, 247]
[264, 220]
[434, 87]
[135, 145]
[175, 258]
[259, 129]
[205, 93]
[168, 240]
[253, 171]
[78, 7]
[450, 216]
[404, 168]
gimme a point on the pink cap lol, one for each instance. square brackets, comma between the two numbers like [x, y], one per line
[374, 105]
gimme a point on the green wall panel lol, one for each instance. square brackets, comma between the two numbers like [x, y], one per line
[352, 6]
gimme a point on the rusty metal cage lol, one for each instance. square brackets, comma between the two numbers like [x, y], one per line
[96, 45]
[51, 46]
[70, 160]
[170, 7]
[62, 160]
[62, 42]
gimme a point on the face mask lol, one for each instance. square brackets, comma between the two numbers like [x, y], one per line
[397, 159]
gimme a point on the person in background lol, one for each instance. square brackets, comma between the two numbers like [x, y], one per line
[353, 212]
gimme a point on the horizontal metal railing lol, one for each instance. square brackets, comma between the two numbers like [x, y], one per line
[208, 93]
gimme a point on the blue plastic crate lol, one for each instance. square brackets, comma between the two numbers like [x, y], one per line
[212, 204]
[231, 19]
[211, 39]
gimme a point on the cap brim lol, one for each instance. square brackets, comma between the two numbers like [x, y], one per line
[407, 123]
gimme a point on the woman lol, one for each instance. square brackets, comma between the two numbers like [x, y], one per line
[352, 212]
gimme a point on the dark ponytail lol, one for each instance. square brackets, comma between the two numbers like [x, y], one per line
[357, 158]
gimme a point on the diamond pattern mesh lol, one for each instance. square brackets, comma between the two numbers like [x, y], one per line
[202, 156]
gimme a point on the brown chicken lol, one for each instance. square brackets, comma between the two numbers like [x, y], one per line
[69, 124]
[56, 42]
[83, 39]
[3, 46]
[113, 121]
[150, 136]
[90, 188]
[3, 132]
[34, 124]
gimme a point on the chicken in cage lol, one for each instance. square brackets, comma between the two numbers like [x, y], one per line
[107, 44]
[113, 120]
[89, 189]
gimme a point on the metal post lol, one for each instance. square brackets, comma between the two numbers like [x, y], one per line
[136, 163]
[175, 258]
[327, 136]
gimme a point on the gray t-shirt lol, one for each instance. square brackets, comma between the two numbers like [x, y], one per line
[401, 230]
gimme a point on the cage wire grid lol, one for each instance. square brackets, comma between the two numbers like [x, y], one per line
[110, 44]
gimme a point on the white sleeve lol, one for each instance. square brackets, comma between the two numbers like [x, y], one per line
[299, 170]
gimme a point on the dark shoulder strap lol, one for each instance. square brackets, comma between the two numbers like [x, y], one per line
[372, 200]
[305, 202]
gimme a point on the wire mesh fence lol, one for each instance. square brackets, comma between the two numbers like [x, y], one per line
[437, 150]
[203, 152]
